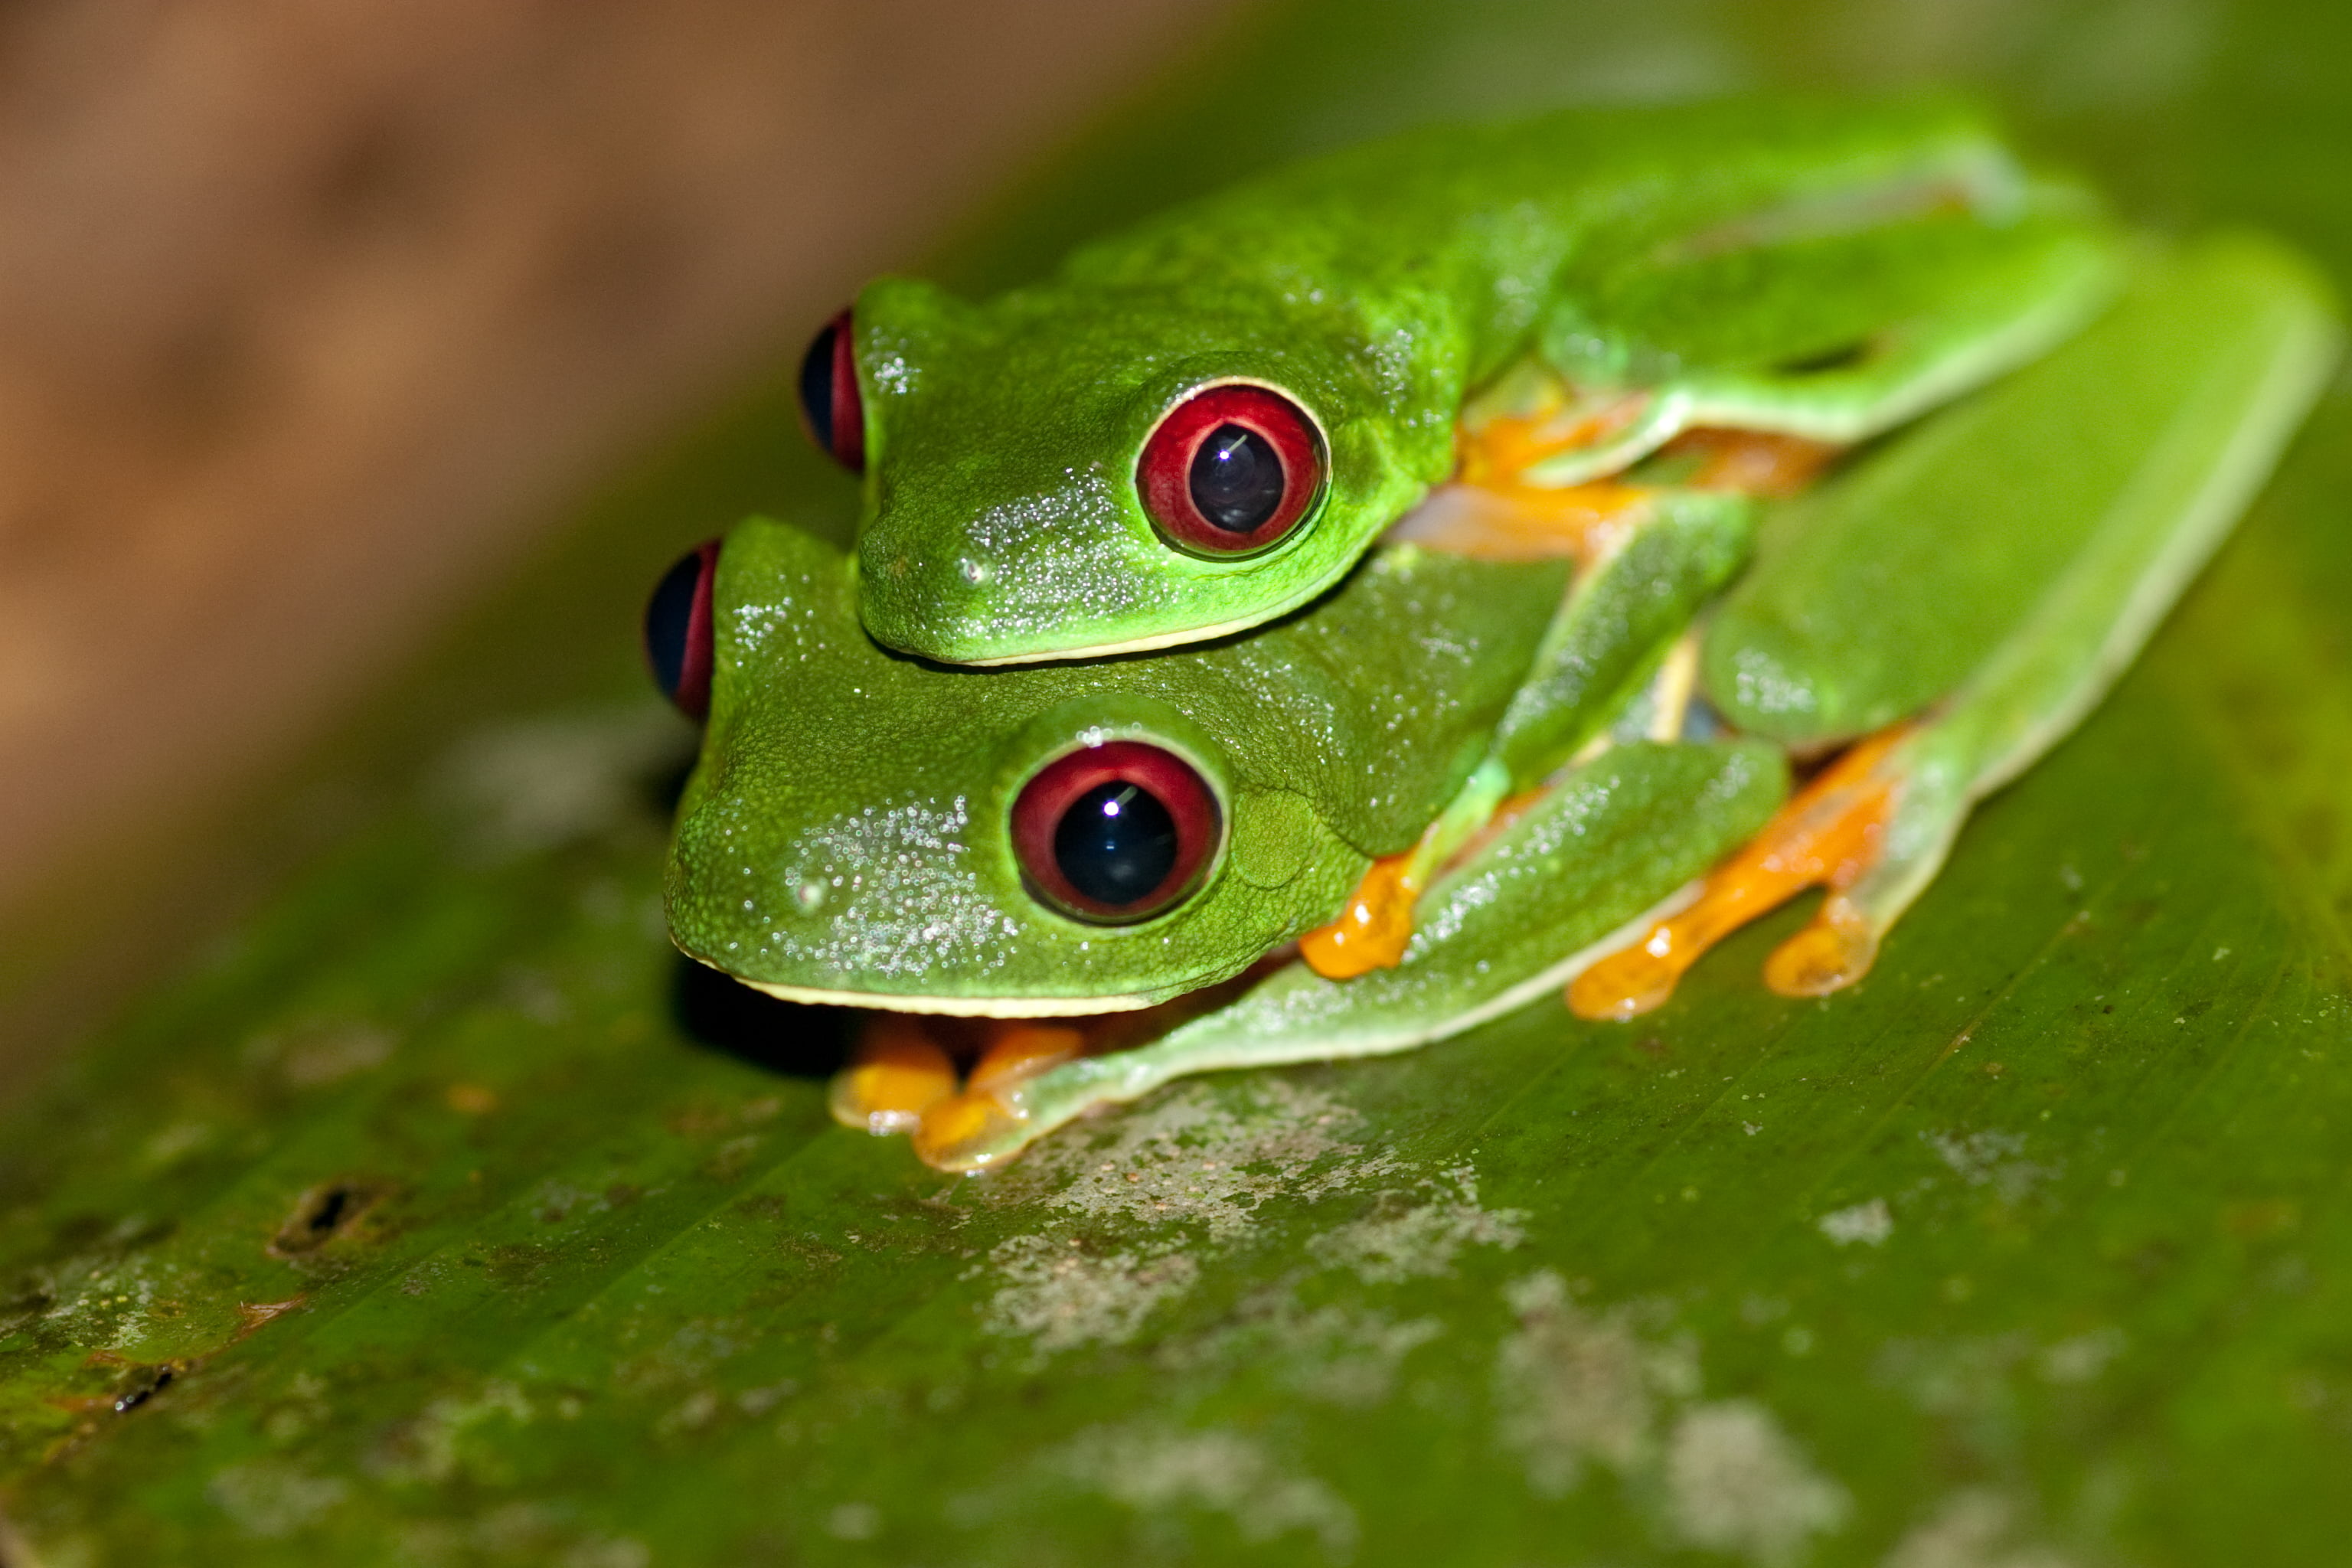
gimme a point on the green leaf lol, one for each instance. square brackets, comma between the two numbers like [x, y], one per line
[442, 1217]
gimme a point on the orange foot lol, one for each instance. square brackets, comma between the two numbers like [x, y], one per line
[897, 1073]
[1372, 930]
[1829, 834]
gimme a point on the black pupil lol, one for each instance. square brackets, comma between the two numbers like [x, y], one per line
[669, 617]
[816, 387]
[1116, 844]
[1236, 479]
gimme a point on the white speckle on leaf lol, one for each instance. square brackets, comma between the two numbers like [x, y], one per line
[1200, 1154]
[1151, 1467]
[1973, 1528]
[535, 784]
[1990, 1159]
[2082, 1358]
[1868, 1223]
[1058, 1297]
[435, 1447]
[322, 1052]
[516, 1532]
[1573, 1386]
[1340, 1354]
[1736, 1482]
[1578, 1387]
[271, 1499]
[1405, 1236]
[180, 1138]
[853, 1522]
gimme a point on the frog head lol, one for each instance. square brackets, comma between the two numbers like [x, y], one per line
[1113, 468]
[867, 828]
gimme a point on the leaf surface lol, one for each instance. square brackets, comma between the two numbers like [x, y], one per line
[442, 1217]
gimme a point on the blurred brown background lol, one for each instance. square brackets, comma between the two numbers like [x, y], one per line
[312, 312]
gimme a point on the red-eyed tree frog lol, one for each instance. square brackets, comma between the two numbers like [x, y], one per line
[1507, 774]
[1202, 422]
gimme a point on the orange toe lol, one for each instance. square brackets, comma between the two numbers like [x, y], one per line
[1019, 1048]
[1829, 835]
[1373, 931]
[898, 1074]
[1828, 955]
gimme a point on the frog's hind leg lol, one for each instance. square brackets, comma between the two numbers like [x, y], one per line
[2157, 424]
[1833, 833]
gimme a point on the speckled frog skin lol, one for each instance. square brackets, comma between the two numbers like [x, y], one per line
[1935, 615]
[1816, 270]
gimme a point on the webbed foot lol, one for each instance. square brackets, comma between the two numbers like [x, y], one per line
[1832, 833]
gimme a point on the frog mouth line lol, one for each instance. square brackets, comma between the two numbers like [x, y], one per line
[954, 1007]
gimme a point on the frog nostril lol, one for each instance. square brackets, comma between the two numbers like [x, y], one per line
[678, 630]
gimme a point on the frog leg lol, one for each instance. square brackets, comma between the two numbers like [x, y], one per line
[1377, 920]
[1525, 522]
[1620, 634]
[2207, 366]
[896, 1073]
[1567, 878]
[1912, 329]
[1021, 1047]
[1494, 512]
[1831, 833]
[1751, 462]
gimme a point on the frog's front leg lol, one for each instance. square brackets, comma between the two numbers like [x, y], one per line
[896, 1073]
[1621, 617]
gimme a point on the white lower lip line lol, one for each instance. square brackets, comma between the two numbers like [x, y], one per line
[955, 1006]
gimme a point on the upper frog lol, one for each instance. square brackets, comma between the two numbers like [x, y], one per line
[1202, 422]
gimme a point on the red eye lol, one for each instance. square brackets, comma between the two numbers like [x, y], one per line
[1116, 832]
[830, 406]
[677, 630]
[1231, 469]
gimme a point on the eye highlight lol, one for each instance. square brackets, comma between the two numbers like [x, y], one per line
[1117, 832]
[677, 630]
[830, 406]
[1231, 469]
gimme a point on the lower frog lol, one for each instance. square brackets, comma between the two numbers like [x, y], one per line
[1457, 784]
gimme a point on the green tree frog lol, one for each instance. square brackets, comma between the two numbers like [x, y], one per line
[1200, 422]
[1579, 773]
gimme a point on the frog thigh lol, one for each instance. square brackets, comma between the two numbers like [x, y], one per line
[1847, 341]
[2042, 526]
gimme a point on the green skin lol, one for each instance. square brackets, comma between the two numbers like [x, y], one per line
[1813, 269]
[846, 834]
